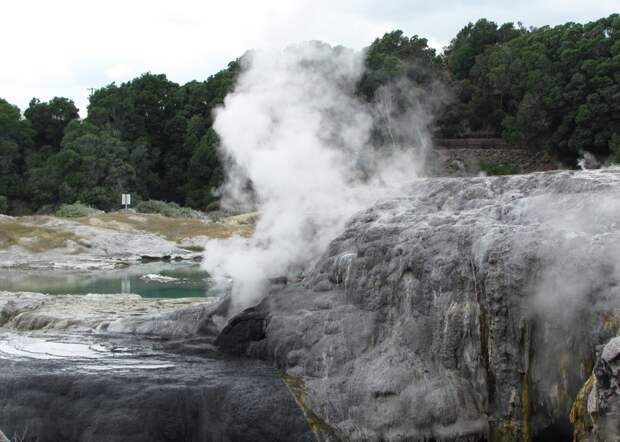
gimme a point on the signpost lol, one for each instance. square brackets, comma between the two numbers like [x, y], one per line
[126, 200]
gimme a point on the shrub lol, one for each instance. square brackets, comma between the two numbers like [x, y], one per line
[213, 206]
[614, 149]
[172, 210]
[76, 210]
[498, 168]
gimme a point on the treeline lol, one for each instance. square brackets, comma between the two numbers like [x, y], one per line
[149, 136]
[553, 88]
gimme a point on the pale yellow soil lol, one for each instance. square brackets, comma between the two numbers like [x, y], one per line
[40, 233]
[31, 237]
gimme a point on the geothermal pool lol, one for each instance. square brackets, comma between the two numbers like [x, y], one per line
[151, 280]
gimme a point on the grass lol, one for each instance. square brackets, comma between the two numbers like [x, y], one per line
[173, 229]
[35, 239]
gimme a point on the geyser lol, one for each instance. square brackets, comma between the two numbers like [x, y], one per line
[294, 128]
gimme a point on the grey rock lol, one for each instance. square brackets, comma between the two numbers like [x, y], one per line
[604, 397]
[611, 351]
[467, 309]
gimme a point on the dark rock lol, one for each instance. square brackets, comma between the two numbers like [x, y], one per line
[241, 331]
[206, 398]
[147, 258]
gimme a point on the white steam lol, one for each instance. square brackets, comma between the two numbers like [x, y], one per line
[580, 253]
[295, 130]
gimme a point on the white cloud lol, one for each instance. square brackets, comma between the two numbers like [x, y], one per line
[119, 71]
[65, 47]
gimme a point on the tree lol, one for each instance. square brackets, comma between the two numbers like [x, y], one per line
[477, 106]
[15, 141]
[49, 120]
[93, 167]
[472, 41]
[205, 172]
[552, 88]
[561, 87]
[163, 119]
[394, 57]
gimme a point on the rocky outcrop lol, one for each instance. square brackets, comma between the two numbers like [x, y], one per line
[468, 309]
[467, 161]
[604, 399]
[596, 412]
[118, 313]
[463, 157]
[123, 368]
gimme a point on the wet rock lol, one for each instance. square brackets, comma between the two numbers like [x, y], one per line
[118, 389]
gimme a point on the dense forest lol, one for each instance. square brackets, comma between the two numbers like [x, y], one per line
[552, 88]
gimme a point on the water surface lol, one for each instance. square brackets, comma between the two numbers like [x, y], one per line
[190, 281]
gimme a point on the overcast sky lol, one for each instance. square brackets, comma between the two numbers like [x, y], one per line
[63, 47]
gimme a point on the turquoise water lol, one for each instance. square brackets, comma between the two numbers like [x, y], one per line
[191, 281]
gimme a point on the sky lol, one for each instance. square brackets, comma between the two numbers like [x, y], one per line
[65, 47]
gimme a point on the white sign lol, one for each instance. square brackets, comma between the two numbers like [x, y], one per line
[126, 199]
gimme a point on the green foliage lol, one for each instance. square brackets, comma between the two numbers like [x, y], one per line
[472, 41]
[562, 86]
[4, 204]
[92, 166]
[553, 88]
[402, 74]
[15, 141]
[171, 210]
[139, 137]
[49, 120]
[165, 121]
[477, 107]
[205, 171]
[76, 210]
[498, 168]
[394, 57]
[213, 206]
[614, 148]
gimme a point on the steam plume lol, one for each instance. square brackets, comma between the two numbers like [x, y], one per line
[294, 128]
[579, 252]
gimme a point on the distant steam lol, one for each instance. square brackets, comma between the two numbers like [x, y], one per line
[294, 128]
